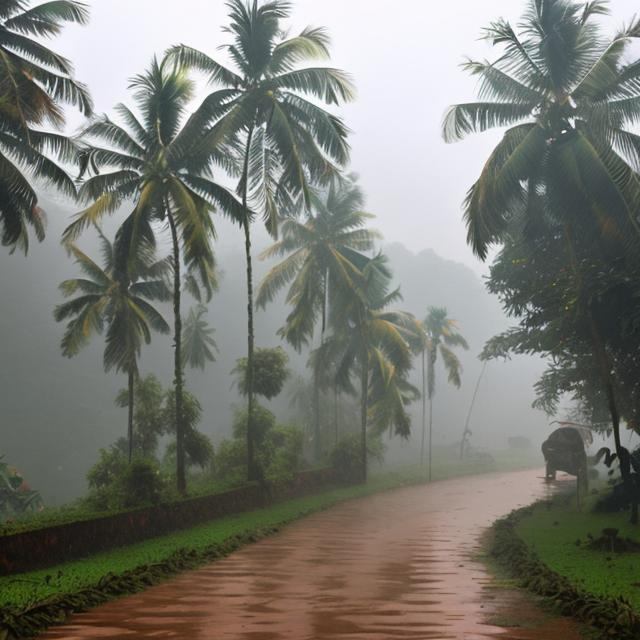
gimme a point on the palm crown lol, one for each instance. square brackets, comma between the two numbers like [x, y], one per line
[161, 162]
[124, 307]
[319, 259]
[289, 141]
[34, 83]
[569, 99]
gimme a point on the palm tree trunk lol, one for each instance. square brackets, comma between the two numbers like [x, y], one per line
[335, 409]
[364, 390]
[317, 449]
[252, 472]
[130, 416]
[430, 433]
[424, 408]
[181, 479]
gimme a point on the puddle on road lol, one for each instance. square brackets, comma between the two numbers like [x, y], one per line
[393, 566]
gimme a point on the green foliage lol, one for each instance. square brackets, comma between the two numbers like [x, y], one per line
[263, 422]
[346, 457]
[149, 416]
[269, 374]
[141, 484]
[198, 449]
[319, 252]
[117, 485]
[560, 536]
[35, 84]
[199, 345]
[279, 455]
[16, 497]
[230, 460]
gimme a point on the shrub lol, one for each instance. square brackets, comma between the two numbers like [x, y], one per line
[346, 457]
[263, 422]
[140, 485]
[230, 461]
[281, 454]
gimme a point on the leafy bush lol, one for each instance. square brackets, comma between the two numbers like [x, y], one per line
[141, 484]
[263, 422]
[281, 454]
[117, 485]
[230, 460]
[270, 372]
[278, 449]
[346, 456]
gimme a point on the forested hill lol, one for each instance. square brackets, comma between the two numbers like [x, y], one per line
[57, 413]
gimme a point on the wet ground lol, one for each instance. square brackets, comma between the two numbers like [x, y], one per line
[394, 566]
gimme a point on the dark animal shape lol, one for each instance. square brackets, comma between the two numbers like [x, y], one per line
[564, 451]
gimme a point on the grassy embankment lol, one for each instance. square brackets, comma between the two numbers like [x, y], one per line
[185, 549]
[559, 533]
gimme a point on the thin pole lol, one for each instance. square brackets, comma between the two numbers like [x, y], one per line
[473, 401]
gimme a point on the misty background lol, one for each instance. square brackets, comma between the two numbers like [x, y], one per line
[404, 57]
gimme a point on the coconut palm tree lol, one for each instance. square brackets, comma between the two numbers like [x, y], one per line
[319, 259]
[35, 82]
[162, 162]
[200, 346]
[372, 343]
[438, 335]
[272, 109]
[569, 157]
[102, 298]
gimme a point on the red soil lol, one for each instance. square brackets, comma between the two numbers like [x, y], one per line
[398, 565]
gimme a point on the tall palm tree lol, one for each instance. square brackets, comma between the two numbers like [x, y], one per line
[372, 343]
[569, 157]
[271, 108]
[103, 298]
[35, 82]
[438, 335]
[162, 161]
[319, 254]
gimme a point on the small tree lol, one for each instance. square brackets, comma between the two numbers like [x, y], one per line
[270, 372]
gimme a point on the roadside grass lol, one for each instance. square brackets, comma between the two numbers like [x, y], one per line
[20, 591]
[558, 533]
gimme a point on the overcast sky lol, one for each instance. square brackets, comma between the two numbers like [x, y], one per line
[404, 56]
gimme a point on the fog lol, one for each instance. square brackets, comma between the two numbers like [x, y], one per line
[404, 57]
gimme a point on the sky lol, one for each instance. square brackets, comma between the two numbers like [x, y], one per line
[405, 59]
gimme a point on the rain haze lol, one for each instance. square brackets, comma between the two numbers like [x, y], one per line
[404, 394]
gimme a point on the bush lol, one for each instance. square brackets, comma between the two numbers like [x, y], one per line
[281, 454]
[346, 457]
[116, 485]
[140, 485]
[263, 422]
[278, 450]
[230, 461]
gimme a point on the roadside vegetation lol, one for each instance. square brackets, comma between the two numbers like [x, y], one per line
[564, 538]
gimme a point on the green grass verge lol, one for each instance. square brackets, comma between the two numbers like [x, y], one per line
[559, 535]
[538, 547]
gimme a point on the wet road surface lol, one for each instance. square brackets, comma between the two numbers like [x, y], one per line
[395, 566]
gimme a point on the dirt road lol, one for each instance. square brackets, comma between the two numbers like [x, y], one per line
[398, 565]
